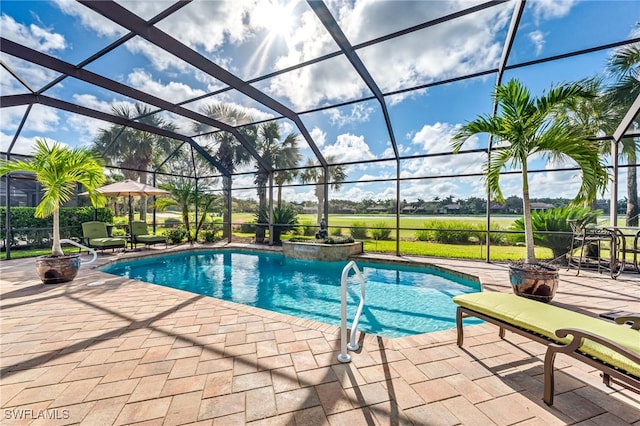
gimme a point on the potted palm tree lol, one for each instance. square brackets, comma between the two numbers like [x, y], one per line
[58, 169]
[527, 127]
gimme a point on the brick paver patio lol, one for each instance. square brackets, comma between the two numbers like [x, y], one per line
[105, 350]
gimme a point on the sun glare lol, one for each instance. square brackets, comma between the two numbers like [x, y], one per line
[276, 17]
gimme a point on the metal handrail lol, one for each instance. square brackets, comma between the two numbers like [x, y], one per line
[353, 345]
[90, 250]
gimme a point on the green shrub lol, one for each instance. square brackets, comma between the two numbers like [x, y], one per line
[335, 231]
[359, 230]
[308, 228]
[172, 222]
[329, 240]
[458, 232]
[247, 227]
[209, 236]
[302, 240]
[556, 223]
[176, 235]
[35, 231]
[338, 240]
[118, 232]
[380, 231]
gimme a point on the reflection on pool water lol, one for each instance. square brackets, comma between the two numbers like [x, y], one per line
[400, 300]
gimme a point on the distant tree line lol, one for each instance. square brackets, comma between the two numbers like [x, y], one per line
[446, 205]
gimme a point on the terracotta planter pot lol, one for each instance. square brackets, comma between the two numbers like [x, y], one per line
[55, 270]
[537, 281]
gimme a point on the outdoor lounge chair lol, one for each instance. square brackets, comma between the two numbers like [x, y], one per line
[611, 348]
[140, 234]
[94, 235]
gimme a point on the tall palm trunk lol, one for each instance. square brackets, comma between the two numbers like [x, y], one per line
[226, 219]
[56, 249]
[526, 207]
[143, 199]
[320, 196]
[632, 191]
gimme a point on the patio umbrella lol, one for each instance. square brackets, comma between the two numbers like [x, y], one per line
[129, 188]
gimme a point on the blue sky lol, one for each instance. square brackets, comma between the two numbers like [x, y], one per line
[253, 38]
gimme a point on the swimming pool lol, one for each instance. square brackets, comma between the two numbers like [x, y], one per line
[400, 300]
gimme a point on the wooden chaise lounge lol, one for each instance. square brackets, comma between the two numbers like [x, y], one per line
[611, 348]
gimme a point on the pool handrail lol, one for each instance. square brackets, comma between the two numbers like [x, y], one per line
[352, 345]
[80, 246]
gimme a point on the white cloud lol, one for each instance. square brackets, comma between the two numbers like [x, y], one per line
[551, 9]
[160, 59]
[94, 21]
[91, 101]
[358, 113]
[33, 36]
[175, 91]
[23, 145]
[10, 117]
[462, 46]
[432, 138]
[209, 24]
[537, 38]
[348, 147]
[42, 119]
[318, 136]
[356, 193]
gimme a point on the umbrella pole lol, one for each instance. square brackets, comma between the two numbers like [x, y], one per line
[130, 222]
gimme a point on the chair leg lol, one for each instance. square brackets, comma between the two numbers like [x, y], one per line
[570, 254]
[580, 258]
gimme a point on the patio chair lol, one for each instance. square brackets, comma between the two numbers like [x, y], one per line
[94, 235]
[586, 236]
[140, 234]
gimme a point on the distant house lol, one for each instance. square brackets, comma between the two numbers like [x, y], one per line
[408, 209]
[344, 210]
[377, 209]
[541, 206]
[452, 209]
[310, 210]
[430, 207]
[498, 208]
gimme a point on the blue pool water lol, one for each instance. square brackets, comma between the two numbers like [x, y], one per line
[400, 300]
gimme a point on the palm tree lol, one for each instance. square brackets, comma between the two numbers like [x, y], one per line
[279, 154]
[625, 67]
[313, 174]
[188, 193]
[229, 152]
[182, 190]
[528, 127]
[134, 150]
[58, 169]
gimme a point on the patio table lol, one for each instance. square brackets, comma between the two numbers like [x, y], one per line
[621, 247]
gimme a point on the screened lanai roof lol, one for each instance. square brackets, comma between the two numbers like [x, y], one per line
[379, 86]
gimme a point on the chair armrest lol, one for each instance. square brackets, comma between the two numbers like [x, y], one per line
[580, 335]
[634, 320]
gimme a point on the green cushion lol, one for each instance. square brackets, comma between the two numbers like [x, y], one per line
[107, 242]
[94, 230]
[151, 238]
[545, 319]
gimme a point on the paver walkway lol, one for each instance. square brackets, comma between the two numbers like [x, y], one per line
[105, 350]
